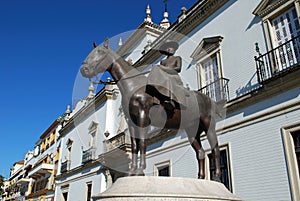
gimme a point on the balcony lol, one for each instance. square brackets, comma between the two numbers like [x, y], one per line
[120, 141]
[65, 166]
[278, 61]
[88, 155]
[217, 90]
[41, 170]
[116, 152]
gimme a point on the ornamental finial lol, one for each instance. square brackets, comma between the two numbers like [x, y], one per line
[165, 22]
[148, 12]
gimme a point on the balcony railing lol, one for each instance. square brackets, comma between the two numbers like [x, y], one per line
[217, 90]
[88, 155]
[120, 141]
[65, 166]
[279, 60]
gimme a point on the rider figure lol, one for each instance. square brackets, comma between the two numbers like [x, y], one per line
[165, 78]
[171, 65]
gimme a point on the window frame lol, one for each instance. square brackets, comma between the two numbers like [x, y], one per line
[272, 13]
[64, 191]
[92, 131]
[223, 147]
[291, 161]
[87, 191]
[208, 49]
[162, 165]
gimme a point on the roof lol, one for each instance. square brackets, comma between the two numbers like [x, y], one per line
[50, 128]
[21, 162]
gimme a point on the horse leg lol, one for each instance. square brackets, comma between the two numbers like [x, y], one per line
[200, 154]
[134, 151]
[213, 141]
[142, 144]
[142, 130]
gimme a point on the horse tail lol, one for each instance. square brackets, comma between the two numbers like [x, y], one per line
[220, 109]
[217, 108]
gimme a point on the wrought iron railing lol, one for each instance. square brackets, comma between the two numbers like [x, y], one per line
[65, 166]
[278, 60]
[88, 155]
[217, 90]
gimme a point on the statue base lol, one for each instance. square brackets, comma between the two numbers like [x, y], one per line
[150, 188]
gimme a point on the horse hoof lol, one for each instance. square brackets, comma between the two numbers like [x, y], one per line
[201, 176]
[132, 172]
[140, 172]
[217, 178]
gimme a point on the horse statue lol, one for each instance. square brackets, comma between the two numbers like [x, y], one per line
[139, 105]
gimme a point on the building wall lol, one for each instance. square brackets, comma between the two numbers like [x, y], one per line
[237, 49]
[77, 184]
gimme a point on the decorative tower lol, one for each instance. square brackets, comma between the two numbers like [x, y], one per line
[165, 22]
[148, 16]
[120, 42]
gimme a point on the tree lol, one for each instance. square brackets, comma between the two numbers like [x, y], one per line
[1, 184]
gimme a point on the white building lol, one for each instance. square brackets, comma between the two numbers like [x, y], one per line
[244, 52]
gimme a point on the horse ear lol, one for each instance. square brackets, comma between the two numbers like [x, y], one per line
[95, 44]
[106, 43]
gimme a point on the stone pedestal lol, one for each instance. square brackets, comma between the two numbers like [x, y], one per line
[165, 188]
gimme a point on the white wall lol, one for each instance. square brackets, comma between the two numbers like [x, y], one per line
[241, 30]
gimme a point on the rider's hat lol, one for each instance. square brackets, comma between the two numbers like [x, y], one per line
[167, 44]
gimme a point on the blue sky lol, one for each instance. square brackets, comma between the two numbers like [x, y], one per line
[42, 45]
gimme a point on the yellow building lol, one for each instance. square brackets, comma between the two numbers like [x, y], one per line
[43, 171]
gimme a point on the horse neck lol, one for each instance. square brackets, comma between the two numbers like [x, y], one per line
[119, 70]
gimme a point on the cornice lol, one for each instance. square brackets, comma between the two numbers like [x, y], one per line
[81, 168]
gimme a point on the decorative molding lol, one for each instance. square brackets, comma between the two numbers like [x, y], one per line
[178, 30]
[78, 169]
[291, 160]
[93, 127]
[144, 29]
[265, 7]
[111, 92]
[206, 46]
[85, 111]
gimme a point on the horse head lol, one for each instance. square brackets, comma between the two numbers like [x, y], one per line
[99, 60]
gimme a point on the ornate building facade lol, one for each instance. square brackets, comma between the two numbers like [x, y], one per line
[243, 54]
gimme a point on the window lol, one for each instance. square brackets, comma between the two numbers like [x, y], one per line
[282, 31]
[92, 132]
[69, 149]
[66, 165]
[65, 196]
[209, 77]
[88, 191]
[162, 169]
[225, 167]
[291, 141]
[286, 27]
[65, 192]
[208, 58]
[296, 141]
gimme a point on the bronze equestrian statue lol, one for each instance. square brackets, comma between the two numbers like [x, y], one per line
[138, 105]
